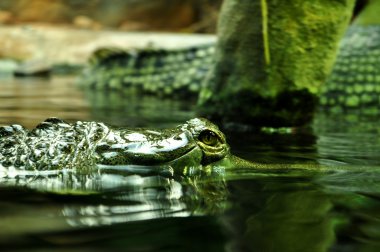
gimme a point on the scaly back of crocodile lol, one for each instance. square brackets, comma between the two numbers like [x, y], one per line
[354, 84]
[53, 145]
[163, 72]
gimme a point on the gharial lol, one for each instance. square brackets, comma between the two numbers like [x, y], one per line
[56, 145]
[86, 156]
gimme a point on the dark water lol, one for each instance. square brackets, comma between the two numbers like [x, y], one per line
[243, 211]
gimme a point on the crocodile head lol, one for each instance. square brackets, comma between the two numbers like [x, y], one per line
[54, 145]
[197, 143]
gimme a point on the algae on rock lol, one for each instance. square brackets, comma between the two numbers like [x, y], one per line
[272, 57]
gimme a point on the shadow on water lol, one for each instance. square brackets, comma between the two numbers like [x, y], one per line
[245, 210]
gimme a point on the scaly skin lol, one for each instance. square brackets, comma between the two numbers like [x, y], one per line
[174, 73]
[87, 157]
[81, 146]
[355, 80]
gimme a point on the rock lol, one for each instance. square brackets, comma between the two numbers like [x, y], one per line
[33, 68]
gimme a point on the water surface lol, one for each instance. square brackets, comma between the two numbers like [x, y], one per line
[246, 210]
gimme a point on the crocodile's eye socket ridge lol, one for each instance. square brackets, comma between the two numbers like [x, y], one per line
[208, 137]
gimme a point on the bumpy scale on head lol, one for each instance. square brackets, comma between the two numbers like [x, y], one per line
[53, 144]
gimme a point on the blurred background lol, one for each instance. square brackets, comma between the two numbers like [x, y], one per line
[129, 15]
[40, 29]
[40, 38]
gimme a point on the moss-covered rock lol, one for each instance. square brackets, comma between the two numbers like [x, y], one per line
[272, 58]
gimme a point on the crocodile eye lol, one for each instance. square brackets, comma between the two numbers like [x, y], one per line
[208, 137]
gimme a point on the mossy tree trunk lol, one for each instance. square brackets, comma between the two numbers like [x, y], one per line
[272, 58]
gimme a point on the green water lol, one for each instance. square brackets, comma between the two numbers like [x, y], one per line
[244, 211]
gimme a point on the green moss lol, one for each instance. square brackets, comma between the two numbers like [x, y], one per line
[285, 110]
[302, 38]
